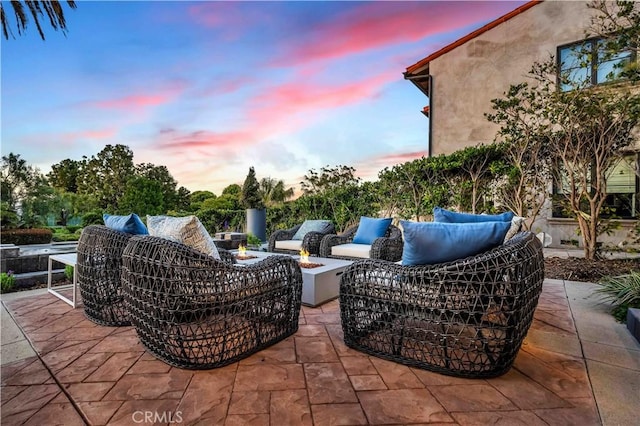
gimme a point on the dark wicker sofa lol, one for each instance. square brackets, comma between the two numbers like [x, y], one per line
[388, 247]
[466, 318]
[310, 241]
[193, 311]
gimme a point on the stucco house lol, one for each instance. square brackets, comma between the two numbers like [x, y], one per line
[462, 78]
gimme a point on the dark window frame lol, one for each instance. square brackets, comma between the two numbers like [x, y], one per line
[594, 61]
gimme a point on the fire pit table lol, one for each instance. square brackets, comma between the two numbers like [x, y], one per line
[320, 279]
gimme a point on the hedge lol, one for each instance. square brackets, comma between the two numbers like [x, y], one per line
[25, 236]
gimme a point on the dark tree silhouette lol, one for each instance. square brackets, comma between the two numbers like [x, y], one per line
[39, 10]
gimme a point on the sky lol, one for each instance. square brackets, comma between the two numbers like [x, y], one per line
[211, 88]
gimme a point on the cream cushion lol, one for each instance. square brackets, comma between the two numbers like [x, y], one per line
[352, 250]
[516, 226]
[289, 245]
[187, 230]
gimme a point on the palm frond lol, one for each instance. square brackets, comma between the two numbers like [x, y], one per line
[622, 289]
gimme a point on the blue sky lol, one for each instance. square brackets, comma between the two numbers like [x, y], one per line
[209, 89]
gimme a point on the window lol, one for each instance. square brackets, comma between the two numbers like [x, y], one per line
[623, 190]
[588, 63]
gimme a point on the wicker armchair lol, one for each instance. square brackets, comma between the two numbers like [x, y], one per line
[465, 318]
[193, 311]
[388, 247]
[98, 271]
[310, 242]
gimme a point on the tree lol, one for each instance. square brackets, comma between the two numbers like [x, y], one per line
[64, 175]
[18, 180]
[273, 192]
[37, 9]
[143, 196]
[524, 151]
[474, 163]
[106, 175]
[411, 187]
[167, 183]
[251, 198]
[329, 177]
[617, 24]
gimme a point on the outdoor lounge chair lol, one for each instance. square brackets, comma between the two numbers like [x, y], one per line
[341, 246]
[99, 267]
[291, 241]
[465, 318]
[99, 264]
[193, 311]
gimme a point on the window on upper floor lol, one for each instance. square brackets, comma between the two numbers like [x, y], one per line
[589, 63]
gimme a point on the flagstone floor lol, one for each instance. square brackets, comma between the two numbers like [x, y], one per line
[90, 374]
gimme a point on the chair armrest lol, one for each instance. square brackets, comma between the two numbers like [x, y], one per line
[387, 249]
[281, 235]
[226, 256]
[311, 242]
[331, 240]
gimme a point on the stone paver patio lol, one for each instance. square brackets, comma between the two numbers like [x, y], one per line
[89, 374]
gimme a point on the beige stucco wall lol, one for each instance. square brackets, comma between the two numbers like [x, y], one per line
[468, 77]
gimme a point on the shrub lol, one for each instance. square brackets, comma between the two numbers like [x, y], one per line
[253, 240]
[92, 218]
[61, 234]
[26, 236]
[623, 292]
[68, 272]
[7, 281]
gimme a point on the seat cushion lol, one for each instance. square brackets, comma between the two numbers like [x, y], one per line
[187, 230]
[310, 226]
[352, 250]
[447, 216]
[131, 224]
[371, 228]
[427, 243]
[289, 245]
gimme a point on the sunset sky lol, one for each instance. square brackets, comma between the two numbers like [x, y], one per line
[209, 89]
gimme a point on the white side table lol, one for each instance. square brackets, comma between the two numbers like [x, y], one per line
[67, 259]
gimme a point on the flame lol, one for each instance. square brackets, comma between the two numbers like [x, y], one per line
[304, 256]
[242, 250]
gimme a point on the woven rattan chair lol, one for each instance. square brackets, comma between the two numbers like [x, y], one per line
[193, 311]
[98, 271]
[466, 318]
[388, 247]
[310, 241]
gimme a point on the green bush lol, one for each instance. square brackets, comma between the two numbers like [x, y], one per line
[68, 272]
[623, 292]
[26, 236]
[7, 281]
[61, 233]
[92, 218]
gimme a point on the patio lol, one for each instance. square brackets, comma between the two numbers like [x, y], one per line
[577, 366]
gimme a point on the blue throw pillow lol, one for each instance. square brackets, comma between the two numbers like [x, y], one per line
[427, 243]
[447, 216]
[371, 228]
[310, 226]
[131, 224]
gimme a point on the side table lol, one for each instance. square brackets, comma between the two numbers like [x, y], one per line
[67, 259]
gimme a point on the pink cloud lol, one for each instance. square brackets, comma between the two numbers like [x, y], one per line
[140, 100]
[380, 24]
[283, 108]
[131, 102]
